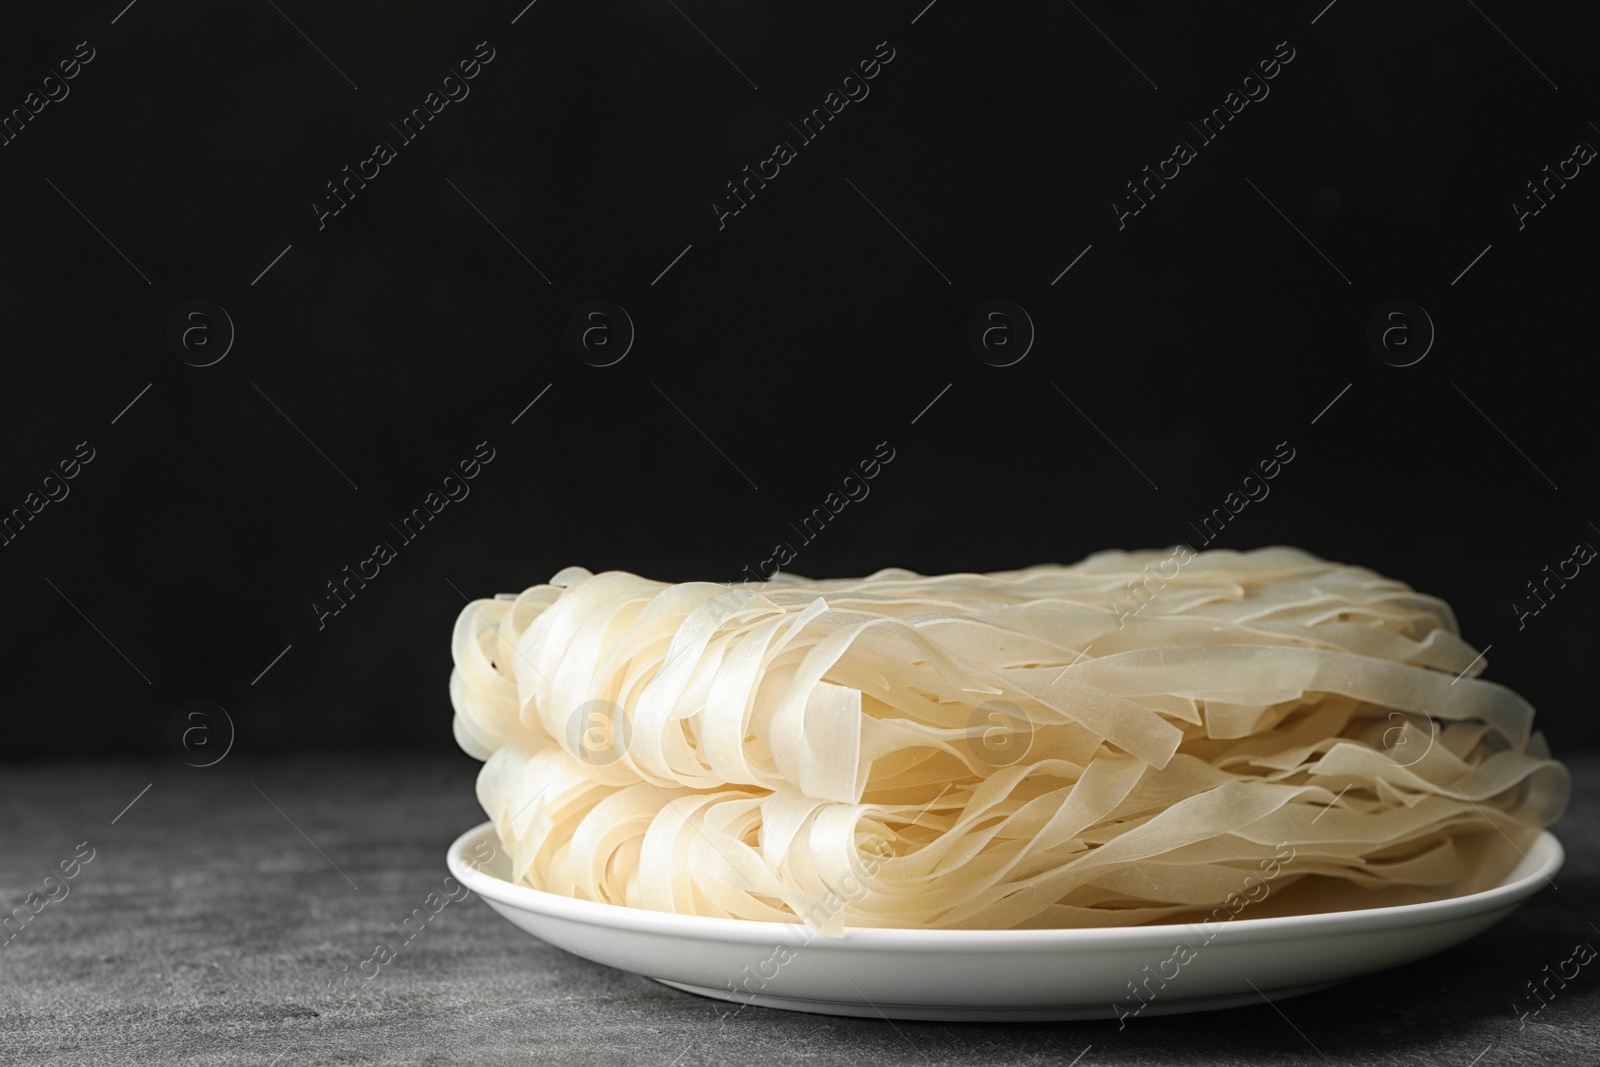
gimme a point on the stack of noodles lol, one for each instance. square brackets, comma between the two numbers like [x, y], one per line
[1124, 740]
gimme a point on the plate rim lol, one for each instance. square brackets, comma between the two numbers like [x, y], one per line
[1546, 855]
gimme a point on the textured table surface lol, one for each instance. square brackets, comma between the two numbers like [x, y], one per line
[215, 910]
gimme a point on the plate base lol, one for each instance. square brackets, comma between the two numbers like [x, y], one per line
[992, 975]
[957, 1013]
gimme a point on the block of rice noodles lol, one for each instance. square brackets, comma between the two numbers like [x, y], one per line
[1138, 737]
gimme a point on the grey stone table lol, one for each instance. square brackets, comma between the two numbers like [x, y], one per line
[216, 909]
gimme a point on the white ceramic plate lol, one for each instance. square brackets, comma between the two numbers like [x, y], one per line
[995, 974]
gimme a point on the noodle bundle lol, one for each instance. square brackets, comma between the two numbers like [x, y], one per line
[1129, 739]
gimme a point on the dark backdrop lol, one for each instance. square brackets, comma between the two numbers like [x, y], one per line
[374, 349]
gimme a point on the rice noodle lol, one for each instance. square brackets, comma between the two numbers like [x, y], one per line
[1014, 749]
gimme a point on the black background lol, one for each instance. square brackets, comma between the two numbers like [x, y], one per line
[379, 350]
